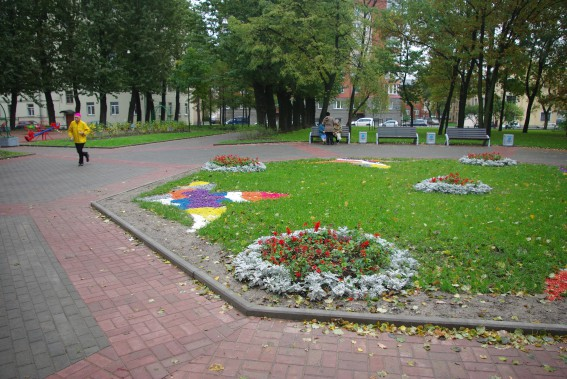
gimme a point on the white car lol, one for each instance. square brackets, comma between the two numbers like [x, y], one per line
[366, 121]
[389, 123]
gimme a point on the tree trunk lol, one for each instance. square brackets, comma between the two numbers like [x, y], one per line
[13, 108]
[310, 105]
[298, 113]
[260, 101]
[444, 122]
[463, 93]
[150, 111]
[50, 107]
[163, 107]
[134, 100]
[77, 99]
[178, 104]
[271, 107]
[103, 108]
[284, 101]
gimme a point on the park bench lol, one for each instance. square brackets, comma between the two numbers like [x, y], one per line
[345, 134]
[467, 134]
[397, 132]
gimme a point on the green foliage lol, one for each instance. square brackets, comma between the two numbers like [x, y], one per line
[508, 240]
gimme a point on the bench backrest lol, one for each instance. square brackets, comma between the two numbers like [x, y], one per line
[402, 132]
[466, 133]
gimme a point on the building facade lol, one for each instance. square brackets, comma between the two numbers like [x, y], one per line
[34, 109]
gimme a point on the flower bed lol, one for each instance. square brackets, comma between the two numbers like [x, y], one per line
[556, 286]
[234, 163]
[204, 205]
[324, 262]
[453, 184]
[493, 159]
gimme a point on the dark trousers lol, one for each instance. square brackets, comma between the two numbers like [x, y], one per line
[330, 138]
[79, 147]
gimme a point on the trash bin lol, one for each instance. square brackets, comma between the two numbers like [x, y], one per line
[508, 140]
[362, 137]
[430, 140]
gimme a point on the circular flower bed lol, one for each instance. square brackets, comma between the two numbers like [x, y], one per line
[493, 159]
[454, 184]
[324, 262]
[234, 163]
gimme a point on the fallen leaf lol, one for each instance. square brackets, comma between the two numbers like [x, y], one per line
[502, 359]
[548, 368]
[338, 332]
[382, 346]
[216, 367]
[411, 363]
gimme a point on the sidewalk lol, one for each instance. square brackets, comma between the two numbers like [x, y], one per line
[82, 299]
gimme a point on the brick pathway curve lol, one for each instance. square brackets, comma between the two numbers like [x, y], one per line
[117, 310]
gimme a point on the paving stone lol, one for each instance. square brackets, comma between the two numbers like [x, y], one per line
[57, 242]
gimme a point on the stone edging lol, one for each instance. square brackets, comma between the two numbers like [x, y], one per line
[249, 309]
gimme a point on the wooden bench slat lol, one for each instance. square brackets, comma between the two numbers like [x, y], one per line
[345, 133]
[397, 132]
[467, 134]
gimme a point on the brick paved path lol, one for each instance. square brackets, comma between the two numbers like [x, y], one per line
[80, 299]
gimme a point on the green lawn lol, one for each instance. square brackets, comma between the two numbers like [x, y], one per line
[549, 139]
[507, 241]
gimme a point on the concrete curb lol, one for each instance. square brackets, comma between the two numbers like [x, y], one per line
[250, 309]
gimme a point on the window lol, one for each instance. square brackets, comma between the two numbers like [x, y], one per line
[542, 116]
[90, 109]
[114, 109]
[170, 109]
[31, 110]
[69, 99]
[338, 104]
[416, 112]
[393, 89]
[511, 99]
[186, 109]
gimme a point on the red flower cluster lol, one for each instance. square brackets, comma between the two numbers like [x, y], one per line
[324, 251]
[452, 178]
[556, 287]
[494, 156]
[233, 160]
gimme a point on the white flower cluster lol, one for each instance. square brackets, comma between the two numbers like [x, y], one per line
[249, 266]
[210, 166]
[457, 189]
[488, 162]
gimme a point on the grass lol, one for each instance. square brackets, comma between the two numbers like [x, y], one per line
[550, 139]
[5, 154]
[137, 139]
[507, 241]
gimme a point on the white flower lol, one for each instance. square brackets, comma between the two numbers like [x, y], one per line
[440, 186]
[249, 266]
[253, 167]
[488, 162]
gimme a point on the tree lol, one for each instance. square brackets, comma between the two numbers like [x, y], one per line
[17, 55]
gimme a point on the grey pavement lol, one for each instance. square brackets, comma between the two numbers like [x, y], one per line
[74, 299]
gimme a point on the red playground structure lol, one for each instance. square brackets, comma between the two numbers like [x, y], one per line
[41, 131]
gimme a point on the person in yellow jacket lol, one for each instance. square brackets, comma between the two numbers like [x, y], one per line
[78, 131]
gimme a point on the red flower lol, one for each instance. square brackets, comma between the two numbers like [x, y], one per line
[317, 225]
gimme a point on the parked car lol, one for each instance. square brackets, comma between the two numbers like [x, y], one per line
[433, 121]
[237, 120]
[365, 121]
[389, 123]
[419, 122]
[512, 125]
[25, 124]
